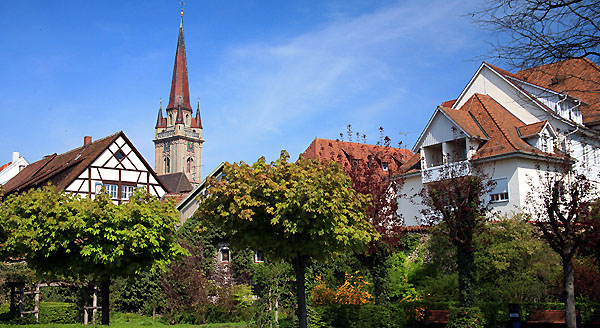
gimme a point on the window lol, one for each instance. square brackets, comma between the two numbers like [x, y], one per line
[112, 190]
[224, 254]
[190, 164]
[384, 166]
[500, 191]
[259, 256]
[355, 162]
[167, 165]
[119, 155]
[21, 167]
[127, 191]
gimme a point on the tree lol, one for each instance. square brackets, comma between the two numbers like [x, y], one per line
[457, 203]
[369, 178]
[536, 32]
[292, 211]
[63, 235]
[561, 199]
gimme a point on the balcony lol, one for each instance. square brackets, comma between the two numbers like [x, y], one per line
[191, 134]
[446, 171]
[168, 132]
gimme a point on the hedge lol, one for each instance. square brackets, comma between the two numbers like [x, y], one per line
[50, 312]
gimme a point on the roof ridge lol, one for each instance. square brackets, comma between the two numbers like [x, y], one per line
[495, 122]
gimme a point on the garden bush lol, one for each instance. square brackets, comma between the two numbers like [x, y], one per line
[466, 317]
[358, 316]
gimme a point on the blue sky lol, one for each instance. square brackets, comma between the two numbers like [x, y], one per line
[270, 75]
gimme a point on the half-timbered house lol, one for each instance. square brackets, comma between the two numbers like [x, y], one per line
[111, 164]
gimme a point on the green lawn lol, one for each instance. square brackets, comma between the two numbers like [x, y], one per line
[130, 320]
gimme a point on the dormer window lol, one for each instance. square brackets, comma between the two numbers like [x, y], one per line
[384, 166]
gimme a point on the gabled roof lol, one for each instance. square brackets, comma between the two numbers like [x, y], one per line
[62, 169]
[500, 127]
[199, 188]
[578, 78]
[5, 166]
[461, 119]
[176, 183]
[344, 152]
[534, 129]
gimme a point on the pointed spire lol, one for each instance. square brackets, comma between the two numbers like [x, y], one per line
[180, 91]
[160, 120]
[197, 122]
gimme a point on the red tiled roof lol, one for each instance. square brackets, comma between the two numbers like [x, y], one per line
[176, 183]
[578, 77]
[5, 166]
[501, 127]
[344, 152]
[62, 169]
[448, 103]
[465, 121]
[531, 129]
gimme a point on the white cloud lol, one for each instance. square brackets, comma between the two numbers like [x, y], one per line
[353, 69]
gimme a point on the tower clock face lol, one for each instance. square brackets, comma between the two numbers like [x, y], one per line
[190, 146]
[167, 146]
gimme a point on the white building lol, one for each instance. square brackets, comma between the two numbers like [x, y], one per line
[10, 169]
[510, 126]
[112, 164]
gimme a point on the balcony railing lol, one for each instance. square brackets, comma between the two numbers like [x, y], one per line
[169, 132]
[191, 134]
[446, 171]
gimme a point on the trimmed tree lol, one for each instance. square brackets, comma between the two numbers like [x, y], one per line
[62, 235]
[292, 211]
[562, 201]
[455, 203]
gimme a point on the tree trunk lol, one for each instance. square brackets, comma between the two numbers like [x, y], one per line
[299, 267]
[381, 288]
[569, 286]
[465, 260]
[105, 301]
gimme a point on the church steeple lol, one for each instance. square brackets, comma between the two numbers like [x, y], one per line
[178, 138]
[180, 91]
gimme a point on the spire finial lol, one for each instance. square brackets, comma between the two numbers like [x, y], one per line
[182, 3]
[160, 103]
[198, 103]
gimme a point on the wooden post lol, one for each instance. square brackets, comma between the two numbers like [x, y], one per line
[36, 308]
[21, 295]
[94, 303]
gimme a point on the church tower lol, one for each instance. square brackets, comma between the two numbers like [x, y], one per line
[178, 140]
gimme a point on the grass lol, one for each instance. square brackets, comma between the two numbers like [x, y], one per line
[123, 320]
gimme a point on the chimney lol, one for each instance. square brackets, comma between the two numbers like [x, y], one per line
[15, 156]
[87, 140]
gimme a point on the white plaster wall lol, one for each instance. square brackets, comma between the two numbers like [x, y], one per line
[489, 83]
[409, 205]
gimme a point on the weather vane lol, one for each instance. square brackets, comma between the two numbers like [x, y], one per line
[182, 3]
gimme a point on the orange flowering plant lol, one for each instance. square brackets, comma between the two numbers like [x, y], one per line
[353, 291]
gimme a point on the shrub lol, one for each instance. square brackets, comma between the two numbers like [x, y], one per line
[466, 317]
[358, 316]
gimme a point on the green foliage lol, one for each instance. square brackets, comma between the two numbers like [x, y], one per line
[514, 263]
[466, 317]
[50, 312]
[141, 293]
[353, 316]
[289, 209]
[64, 235]
[401, 273]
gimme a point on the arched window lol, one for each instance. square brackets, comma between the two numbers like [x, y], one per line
[187, 119]
[190, 165]
[167, 165]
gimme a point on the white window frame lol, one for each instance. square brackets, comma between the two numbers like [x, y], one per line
[385, 166]
[112, 189]
[222, 259]
[127, 191]
[500, 192]
[256, 257]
